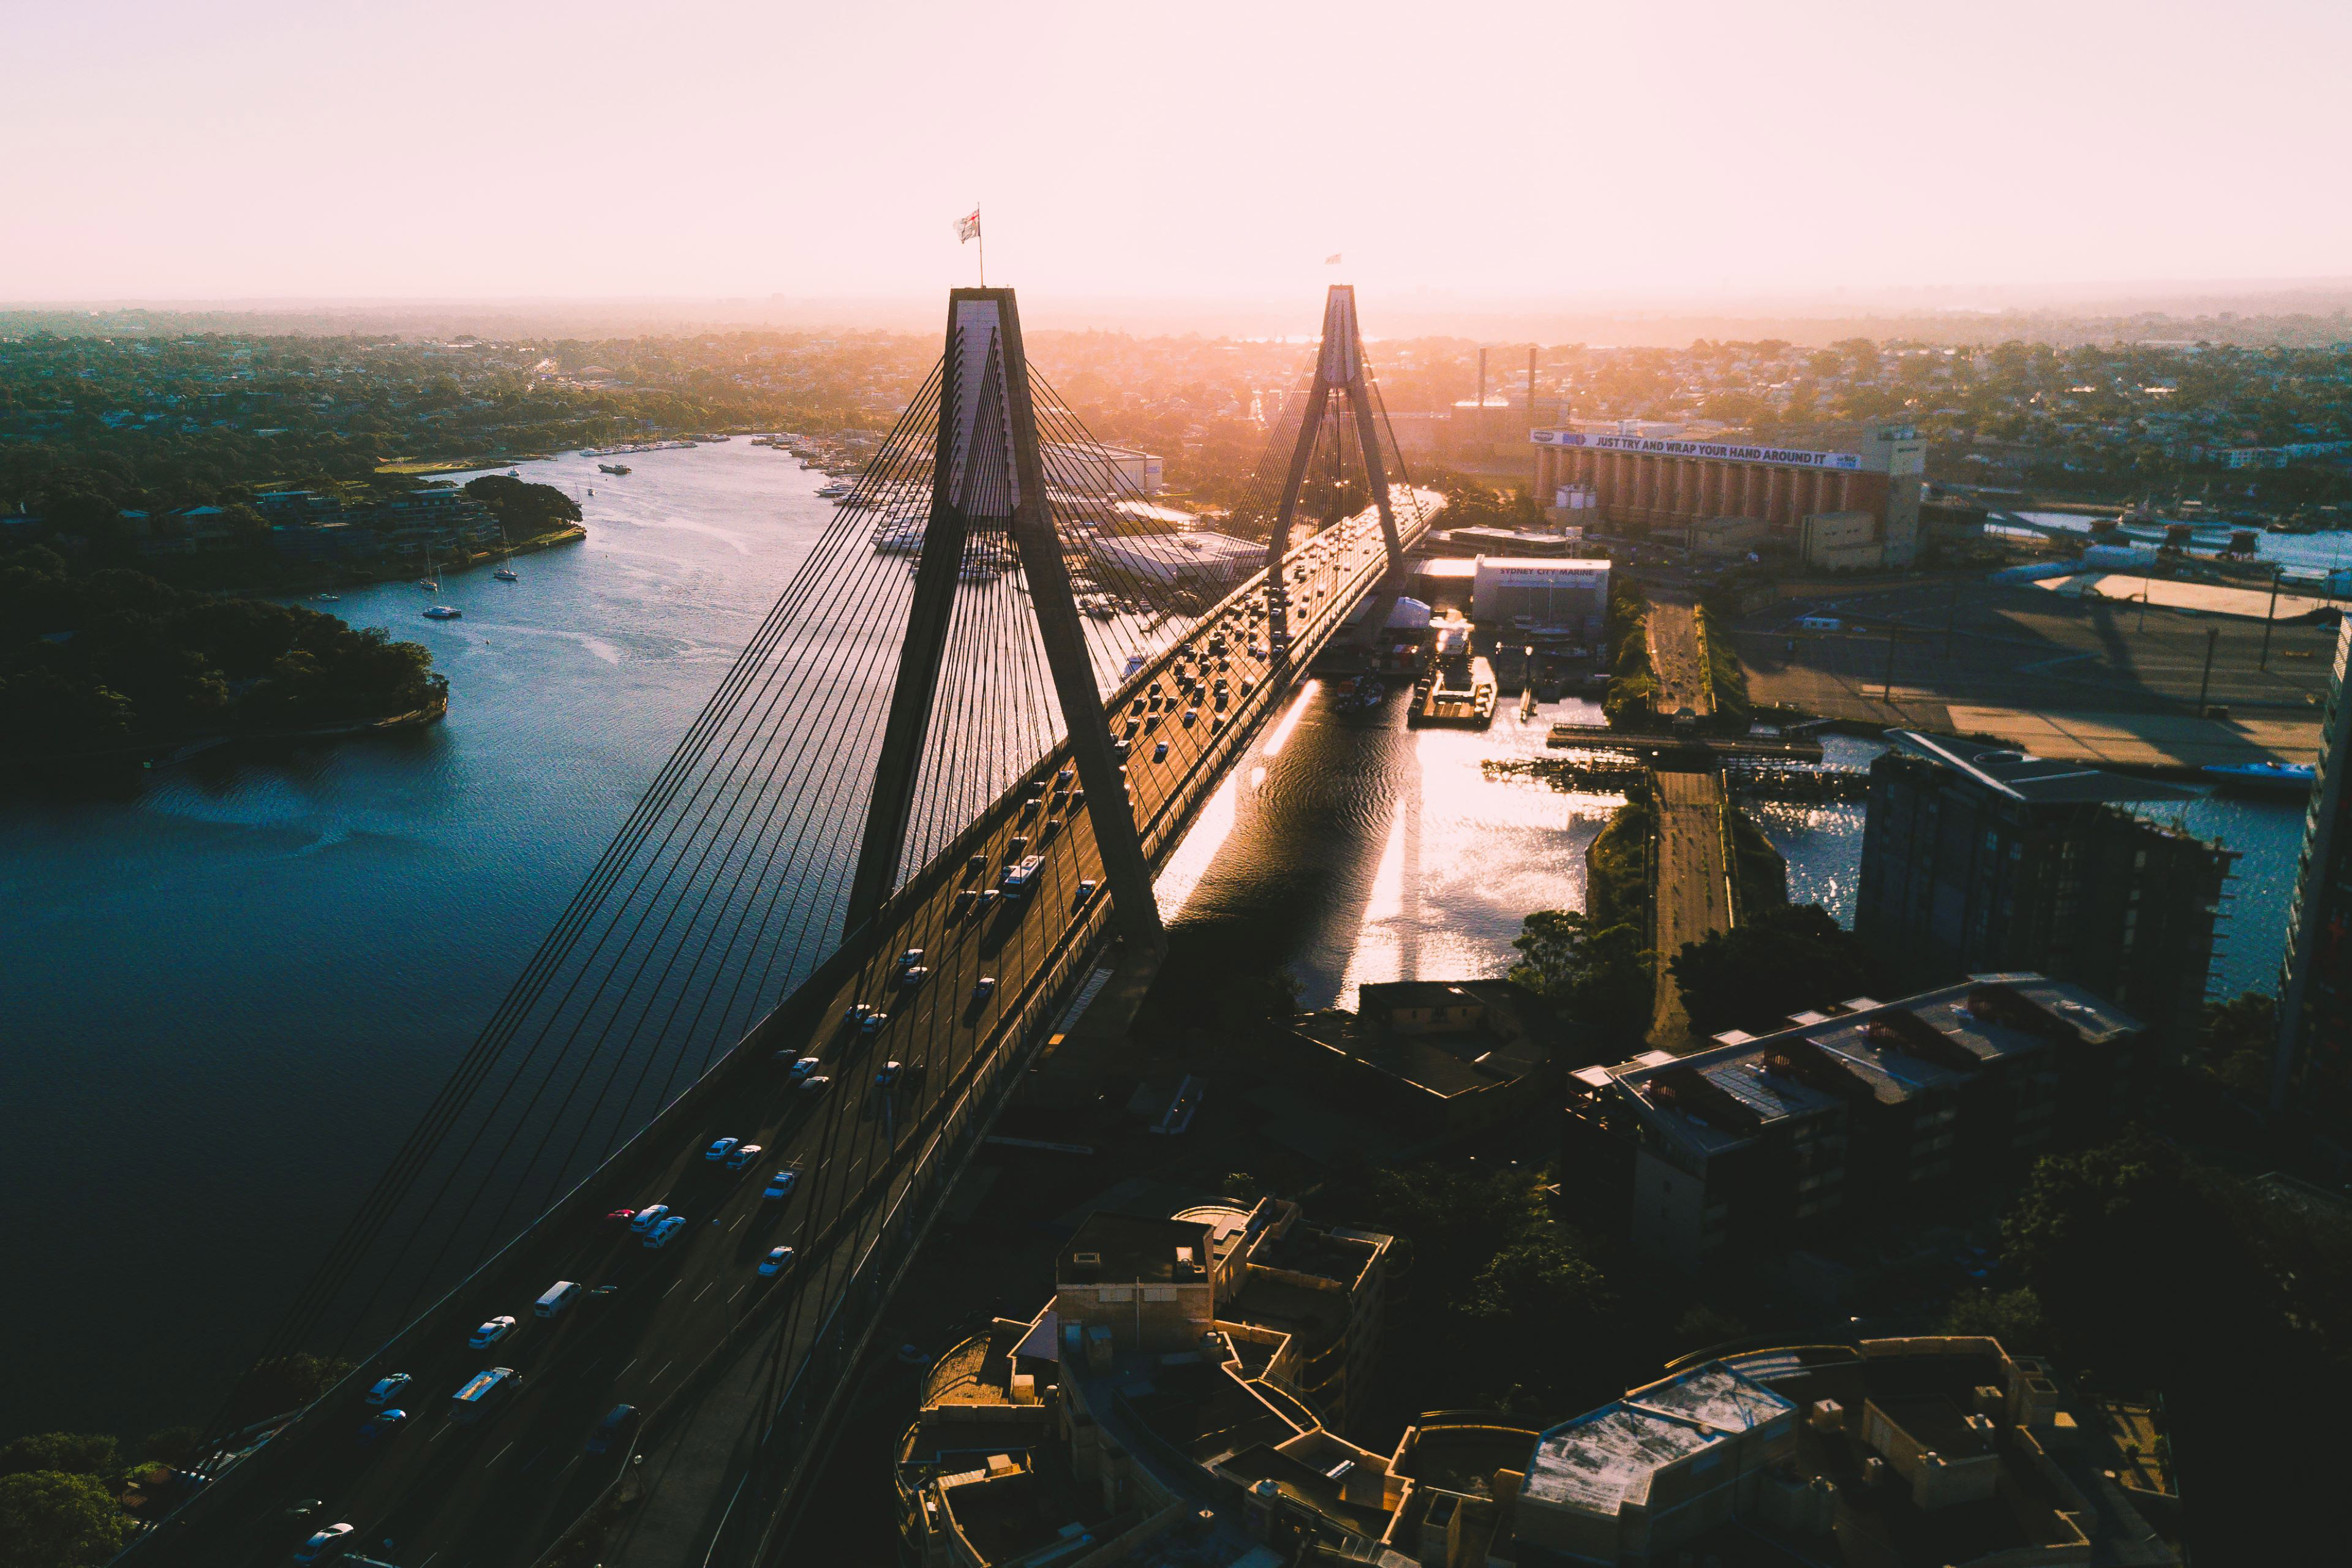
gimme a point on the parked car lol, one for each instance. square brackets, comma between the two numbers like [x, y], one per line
[664, 1233]
[778, 1259]
[491, 1332]
[387, 1389]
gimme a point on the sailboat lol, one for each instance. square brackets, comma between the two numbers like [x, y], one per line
[505, 573]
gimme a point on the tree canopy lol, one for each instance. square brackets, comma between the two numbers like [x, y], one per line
[52, 1518]
[1783, 960]
[1601, 976]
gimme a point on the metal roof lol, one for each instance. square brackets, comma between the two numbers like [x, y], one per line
[2020, 775]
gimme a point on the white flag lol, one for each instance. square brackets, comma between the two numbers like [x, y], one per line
[968, 228]
[1330, 261]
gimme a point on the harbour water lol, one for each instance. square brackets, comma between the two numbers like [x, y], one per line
[228, 994]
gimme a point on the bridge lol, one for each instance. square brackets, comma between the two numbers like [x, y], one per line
[913, 831]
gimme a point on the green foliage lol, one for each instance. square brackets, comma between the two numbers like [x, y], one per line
[2234, 1042]
[1601, 976]
[1726, 676]
[74, 1453]
[2012, 1317]
[524, 510]
[1472, 503]
[174, 1445]
[1788, 961]
[1617, 875]
[111, 657]
[1507, 1305]
[1759, 876]
[51, 1518]
[1632, 683]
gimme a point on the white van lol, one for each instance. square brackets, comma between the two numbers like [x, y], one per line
[559, 1296]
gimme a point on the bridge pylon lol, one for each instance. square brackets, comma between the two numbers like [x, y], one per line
[988, 475]
[1339, 372]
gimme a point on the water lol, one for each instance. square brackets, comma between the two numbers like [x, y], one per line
[1822, 845]
[2308, 551]
[229, 996]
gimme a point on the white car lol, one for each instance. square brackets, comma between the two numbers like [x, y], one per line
[781, 1185]
[911, 957]
[387, 1389]
[983, 988]
[664, 1233]
[744, 1154]
[815, 1086]
[328, 1543]
[888, 1076]
[803, 1067]
[778, 1259]
[721, 1150]
[647, 1218]
[873, 1022]
[491, 1332]
[914, 974]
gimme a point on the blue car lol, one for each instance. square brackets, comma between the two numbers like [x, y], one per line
[383, 1425]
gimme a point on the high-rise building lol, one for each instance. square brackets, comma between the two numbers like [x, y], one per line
[1976, 857]
[2311, 1071]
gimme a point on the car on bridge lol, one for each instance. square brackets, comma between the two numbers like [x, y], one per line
[1086, 891]
[888, 1076]
[721, 1150]
[983, 988]
[781, 1185]
[325, 1546]
[614, 1425]
[778, 1259]
[383, 1425]
[873, 1021]
[648, 1218]
[1018, 877]
[745, 1153]
[813, 1087]
[913, 975]
[490, 1333]
[805, 1067]
[662, 1234]
[387, 1389]
[1160, 752]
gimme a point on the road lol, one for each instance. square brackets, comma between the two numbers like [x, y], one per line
[440, 1495]
[1677, 660]
[1693, 888]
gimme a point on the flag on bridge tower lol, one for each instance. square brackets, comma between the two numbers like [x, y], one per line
[1330, 261]
[968, 227]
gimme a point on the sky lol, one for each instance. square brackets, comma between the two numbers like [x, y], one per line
[191, 150]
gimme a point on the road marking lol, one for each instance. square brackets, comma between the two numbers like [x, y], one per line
[559, 1476]
[438, 1431]
[673, 1285]
[624, 1371]
[740, 1289]
[502, 1452]
[699, 1295]
[665, 1366]
[532, 1461]
[738, 1220]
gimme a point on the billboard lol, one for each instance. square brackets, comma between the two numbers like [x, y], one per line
[1780, 456]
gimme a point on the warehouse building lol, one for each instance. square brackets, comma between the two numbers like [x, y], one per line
[1531, 591]
[1665, 485]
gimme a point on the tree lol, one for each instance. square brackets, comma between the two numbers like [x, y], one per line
[74, 1453]
[49, 1518]
[2012, 1317]
[1601, 976]
[2233, 1045]
[1787, 961]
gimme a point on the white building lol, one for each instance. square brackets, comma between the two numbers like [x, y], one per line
[1571, 594]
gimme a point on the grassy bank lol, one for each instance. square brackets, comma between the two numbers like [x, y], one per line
[1617, 868]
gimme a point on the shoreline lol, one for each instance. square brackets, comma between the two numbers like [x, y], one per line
[570, 534]
[170, 752]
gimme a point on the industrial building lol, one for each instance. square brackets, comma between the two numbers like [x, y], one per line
[1101, 471]
[2311, 1072]
[1763, 1143]
[1530, 592]
[1201, 556]
[1665, 485]
[1976, 857]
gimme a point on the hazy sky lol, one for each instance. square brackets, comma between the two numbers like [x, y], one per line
[195, 148]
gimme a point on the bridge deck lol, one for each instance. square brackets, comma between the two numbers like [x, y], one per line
[689, 1328]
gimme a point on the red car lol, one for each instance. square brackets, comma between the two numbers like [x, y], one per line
[622, 1214]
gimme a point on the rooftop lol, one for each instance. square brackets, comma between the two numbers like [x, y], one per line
[2020, 775]
[1132, 1249]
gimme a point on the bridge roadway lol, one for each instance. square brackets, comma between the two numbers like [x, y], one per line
[441, 1495]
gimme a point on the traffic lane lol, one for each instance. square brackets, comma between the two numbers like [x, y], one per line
[1082, 858]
